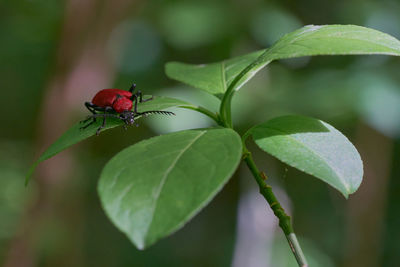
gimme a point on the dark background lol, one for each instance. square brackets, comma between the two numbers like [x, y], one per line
[56, 54]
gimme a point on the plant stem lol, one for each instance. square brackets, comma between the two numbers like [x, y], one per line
[284, 219]
[206, 112]
[225, 120]
[225, 108]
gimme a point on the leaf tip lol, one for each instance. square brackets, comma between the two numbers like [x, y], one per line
[350, 189]
[30, 172]
[140, 245]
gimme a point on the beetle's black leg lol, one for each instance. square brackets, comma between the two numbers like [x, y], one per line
[140, 95]
[105, 115]
[92, 108]
[87, 118]
[135, 104]
[98, 115]
[101, 126]
[91, 117]
[87, 125]
[132, 88]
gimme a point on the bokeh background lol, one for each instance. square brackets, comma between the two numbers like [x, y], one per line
[56, 54]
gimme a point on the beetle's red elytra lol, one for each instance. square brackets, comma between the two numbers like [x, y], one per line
[117, 103]
[119, 100]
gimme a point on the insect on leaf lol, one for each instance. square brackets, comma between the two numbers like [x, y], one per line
[74, 134]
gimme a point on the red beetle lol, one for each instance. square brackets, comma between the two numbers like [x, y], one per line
[117, 103]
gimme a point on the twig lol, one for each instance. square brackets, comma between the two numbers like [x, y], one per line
[284, 219]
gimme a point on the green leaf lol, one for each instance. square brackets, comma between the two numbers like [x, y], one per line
[161, 103]
[314, 147]
[310, 40]
[152, 188]
[213, 78]
[74, 134]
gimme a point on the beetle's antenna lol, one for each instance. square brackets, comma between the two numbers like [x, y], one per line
[162, 112]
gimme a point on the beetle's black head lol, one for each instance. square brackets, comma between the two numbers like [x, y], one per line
[128, 117]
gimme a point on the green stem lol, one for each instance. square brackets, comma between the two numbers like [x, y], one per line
[227, 112]
[296, 249]
[225, 108]
[206, 112]
[266, 190]
[284, 219]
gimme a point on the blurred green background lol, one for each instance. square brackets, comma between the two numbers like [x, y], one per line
[56, 54]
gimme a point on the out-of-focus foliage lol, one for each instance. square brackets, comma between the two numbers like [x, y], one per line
[189, 25]
[348, 92]
[28, 38]
[136, 46]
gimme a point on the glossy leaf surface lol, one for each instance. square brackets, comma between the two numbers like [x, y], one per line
[152, 188]
[314, 147]
[310, 40]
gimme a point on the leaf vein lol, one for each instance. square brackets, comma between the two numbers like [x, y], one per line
[223, 77]
[168, 171]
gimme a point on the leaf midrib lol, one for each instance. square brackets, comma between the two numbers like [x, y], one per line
[275, 49]
[164, 179]
[223, 76]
